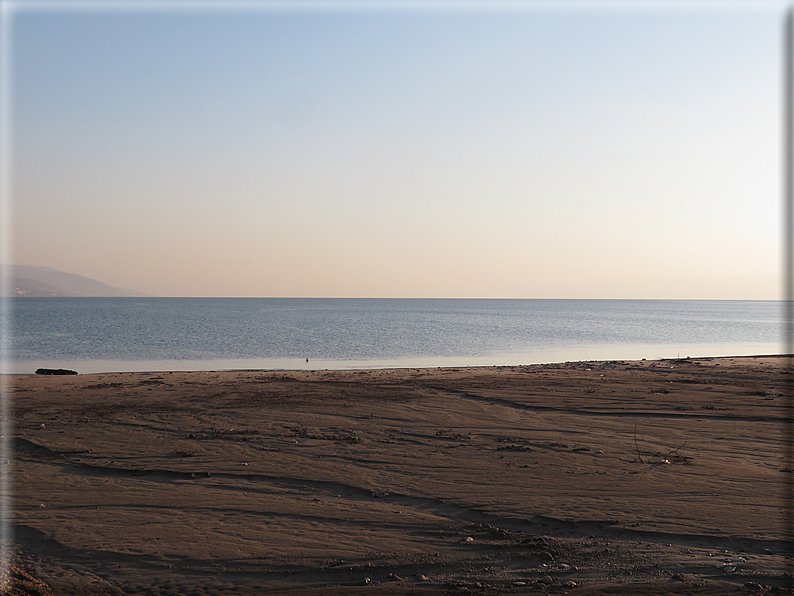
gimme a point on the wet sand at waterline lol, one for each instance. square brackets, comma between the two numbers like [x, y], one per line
[644, 477]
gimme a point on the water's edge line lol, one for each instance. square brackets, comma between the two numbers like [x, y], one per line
[627, 361]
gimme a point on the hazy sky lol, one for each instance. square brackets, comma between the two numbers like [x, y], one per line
[618, 151]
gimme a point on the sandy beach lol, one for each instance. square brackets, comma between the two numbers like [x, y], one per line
[643, 477]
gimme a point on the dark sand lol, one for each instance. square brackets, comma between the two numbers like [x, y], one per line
[492, 480]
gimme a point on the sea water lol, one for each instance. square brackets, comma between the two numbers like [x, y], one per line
[157, 334]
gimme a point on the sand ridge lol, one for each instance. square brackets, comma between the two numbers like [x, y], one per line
[650, 477]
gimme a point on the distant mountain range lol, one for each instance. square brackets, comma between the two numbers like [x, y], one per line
[31, 280]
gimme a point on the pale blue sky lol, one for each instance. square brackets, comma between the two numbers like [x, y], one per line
[430, 153]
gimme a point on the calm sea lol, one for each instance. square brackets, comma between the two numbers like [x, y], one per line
[156, 334]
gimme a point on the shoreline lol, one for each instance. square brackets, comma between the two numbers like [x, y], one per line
[310, 365]
[581, 477]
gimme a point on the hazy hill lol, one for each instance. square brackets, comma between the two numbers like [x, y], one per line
[30, 280]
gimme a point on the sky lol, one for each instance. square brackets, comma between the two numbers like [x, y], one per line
[523, 150]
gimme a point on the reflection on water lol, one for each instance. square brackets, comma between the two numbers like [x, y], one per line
[150, 334]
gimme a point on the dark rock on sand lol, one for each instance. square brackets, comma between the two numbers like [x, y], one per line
[55, 371]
